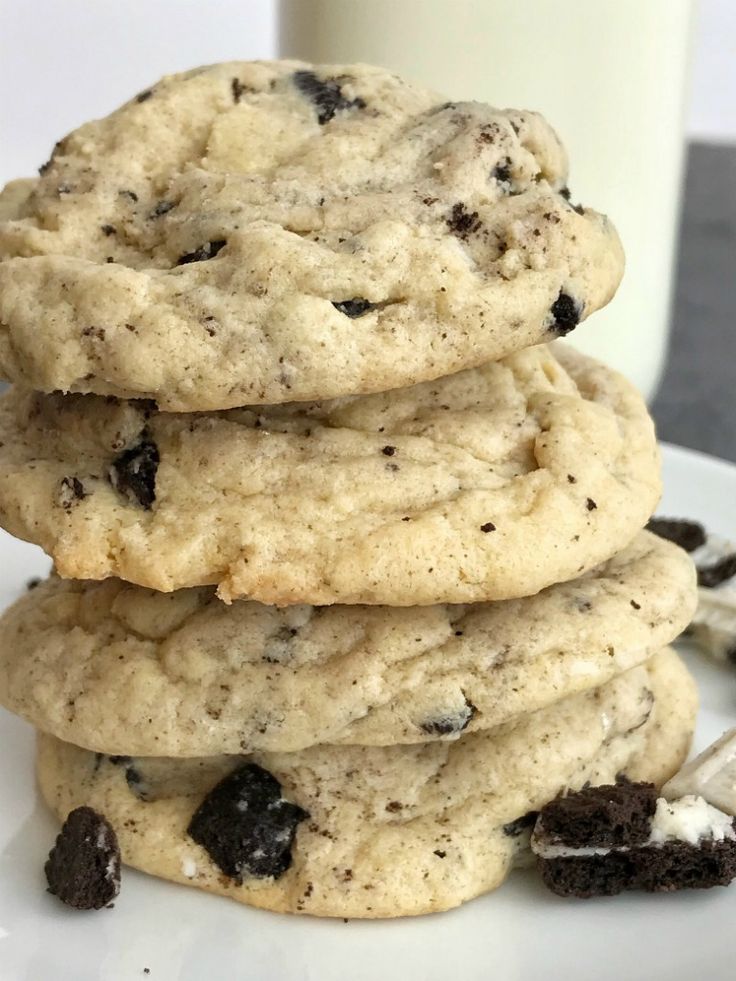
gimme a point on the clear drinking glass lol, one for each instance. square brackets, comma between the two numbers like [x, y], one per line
[608, 74]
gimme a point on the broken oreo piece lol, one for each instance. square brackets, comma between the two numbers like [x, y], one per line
[688, 844]
[325, 94]
[246, 826]
[71, 491]
[356, 307]
[83, 867]
[133, 473]
[463, 222]
[207, 251]
[513, 829]
[615, 814]
[449, 722]
[136, 784]
[565, 313]
[687, 534]
[710, 576]
[502, 172]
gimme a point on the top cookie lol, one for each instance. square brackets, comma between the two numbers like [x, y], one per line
[268, 232]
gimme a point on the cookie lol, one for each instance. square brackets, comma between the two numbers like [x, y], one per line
[83, 868]
[119, 669]
[391, 831]
[605, 840]
[489, 484]
[270, 232]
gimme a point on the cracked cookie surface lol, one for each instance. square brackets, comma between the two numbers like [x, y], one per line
[267, 232]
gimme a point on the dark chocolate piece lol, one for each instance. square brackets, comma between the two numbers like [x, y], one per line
[462, 222]
[450, 722]
[207, 251]
[615, 814]
[524, 823]
[586, 876]
[83, 867]
[326, 95]
[502, 172]
[238, 88]
[246, 826]
[162, 208]
[71, 491]
[356, 307]
[721, 571]
[133, 472]
[687, 534]
[566, 313]
[608, 831]
[665, 868]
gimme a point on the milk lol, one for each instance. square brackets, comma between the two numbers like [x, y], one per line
[608, 74]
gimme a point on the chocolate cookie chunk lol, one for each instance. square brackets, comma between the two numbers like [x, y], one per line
[687, 534]
[133, 473]
[83, 867]
[246, 826]
[611, 815]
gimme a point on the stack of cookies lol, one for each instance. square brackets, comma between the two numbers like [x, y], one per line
[350, 576]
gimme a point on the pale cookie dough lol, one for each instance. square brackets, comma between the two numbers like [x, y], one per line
[489, 484]
[391, 831]
[269, 232]
[123, 670]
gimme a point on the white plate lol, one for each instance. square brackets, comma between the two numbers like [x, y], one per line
[520, 933]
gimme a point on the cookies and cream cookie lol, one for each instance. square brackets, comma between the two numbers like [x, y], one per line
[124, 670]
[268, 232]
[375, 831]
[488, 484]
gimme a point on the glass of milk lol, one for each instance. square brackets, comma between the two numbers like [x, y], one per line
[608, 74]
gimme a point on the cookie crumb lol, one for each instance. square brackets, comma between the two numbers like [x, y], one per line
[83, 867]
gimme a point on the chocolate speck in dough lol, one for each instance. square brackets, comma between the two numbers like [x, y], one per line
[353, 308]
[207, 251]
[325, 94]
